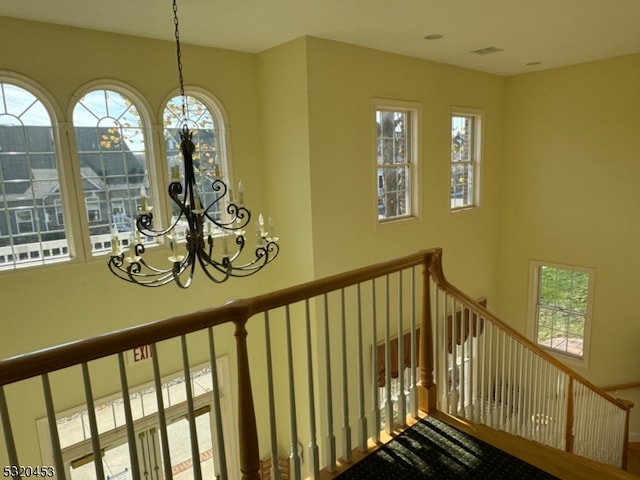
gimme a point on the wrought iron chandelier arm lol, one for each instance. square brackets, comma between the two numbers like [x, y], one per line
[132, 271]
[239, 218]
[263, 255]
[209, 269]
[193, 216]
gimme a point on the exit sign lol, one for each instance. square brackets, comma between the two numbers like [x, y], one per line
[139, 354]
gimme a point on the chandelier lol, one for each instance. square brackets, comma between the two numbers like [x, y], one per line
[220, 224]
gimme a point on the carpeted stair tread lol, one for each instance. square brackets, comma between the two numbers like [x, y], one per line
[433, 449]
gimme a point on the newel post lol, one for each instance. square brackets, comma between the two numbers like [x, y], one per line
[247, 430]
[426, 387]
[570, 414]
[625, 442]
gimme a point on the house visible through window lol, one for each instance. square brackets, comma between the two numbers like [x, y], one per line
[561, 307]
[29, 181]
[396, 158]
[465, 156]
[111, 142]
[111, 131]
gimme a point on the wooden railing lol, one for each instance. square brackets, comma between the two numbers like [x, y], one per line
[310, 372]
[490, 374]
[621, 386]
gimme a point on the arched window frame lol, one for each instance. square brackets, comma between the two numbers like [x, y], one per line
[152, 186]
[54, 251]
[221, 121]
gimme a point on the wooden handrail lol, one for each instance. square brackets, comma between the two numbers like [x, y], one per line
[36, 363]
[443, 283]
[239, 312]
[621, 386]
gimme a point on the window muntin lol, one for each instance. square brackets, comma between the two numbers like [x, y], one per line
[562, 308]
[31, 231]
[465, 156]
[395, 162]
[208, 156]
[110, 137]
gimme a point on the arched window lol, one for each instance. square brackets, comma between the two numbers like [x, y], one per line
[112, 151]
[32, 224]
[205, 120]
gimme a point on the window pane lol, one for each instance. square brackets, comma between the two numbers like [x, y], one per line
[463, 160]
[206, 157]
[29, 183]
[562, 309]
[394, 160]
[113, 164]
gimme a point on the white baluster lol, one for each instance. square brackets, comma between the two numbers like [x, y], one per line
[275, 470]
[128, 416]
[346, 428]
[402, 399]
[362, 418]
[375, 397]
[388, 404]
[220, 458]
[193, 433]
[294, 456]
[93, 424]
[162, 420]
[53, 428]
[314, 468]
[331, 439]
[413, 389]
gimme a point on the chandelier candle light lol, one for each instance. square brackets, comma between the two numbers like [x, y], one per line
[221, 229]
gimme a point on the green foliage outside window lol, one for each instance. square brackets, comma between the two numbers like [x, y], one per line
[562, 308]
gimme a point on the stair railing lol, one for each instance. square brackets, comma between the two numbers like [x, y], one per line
[328, 365]
[313, 337]
[490, 374]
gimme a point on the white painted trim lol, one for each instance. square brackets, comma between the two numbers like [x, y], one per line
[415, 111]
[478, 180]
[570, 360]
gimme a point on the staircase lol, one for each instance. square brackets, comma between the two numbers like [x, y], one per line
[317, 361]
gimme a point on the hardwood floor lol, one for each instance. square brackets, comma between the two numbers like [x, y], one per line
[560, 464]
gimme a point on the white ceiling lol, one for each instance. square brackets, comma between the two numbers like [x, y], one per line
[553, 32]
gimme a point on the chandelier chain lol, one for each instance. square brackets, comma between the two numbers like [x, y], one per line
[204, 213]
[179, 57]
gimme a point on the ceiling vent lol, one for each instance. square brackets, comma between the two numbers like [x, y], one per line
[487, 50]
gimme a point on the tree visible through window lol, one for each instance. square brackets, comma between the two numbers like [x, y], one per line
[562, 308]
[396, 158]
[209, 163]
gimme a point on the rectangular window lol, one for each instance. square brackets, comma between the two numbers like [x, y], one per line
[59, 211]
[93, 209]
[465, 158]
[561, 308]
[24, 221]
[396, 160]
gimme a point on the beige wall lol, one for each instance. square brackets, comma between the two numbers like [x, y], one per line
[43, 307]
[343, 80]
[302, 142]
[570, 195]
